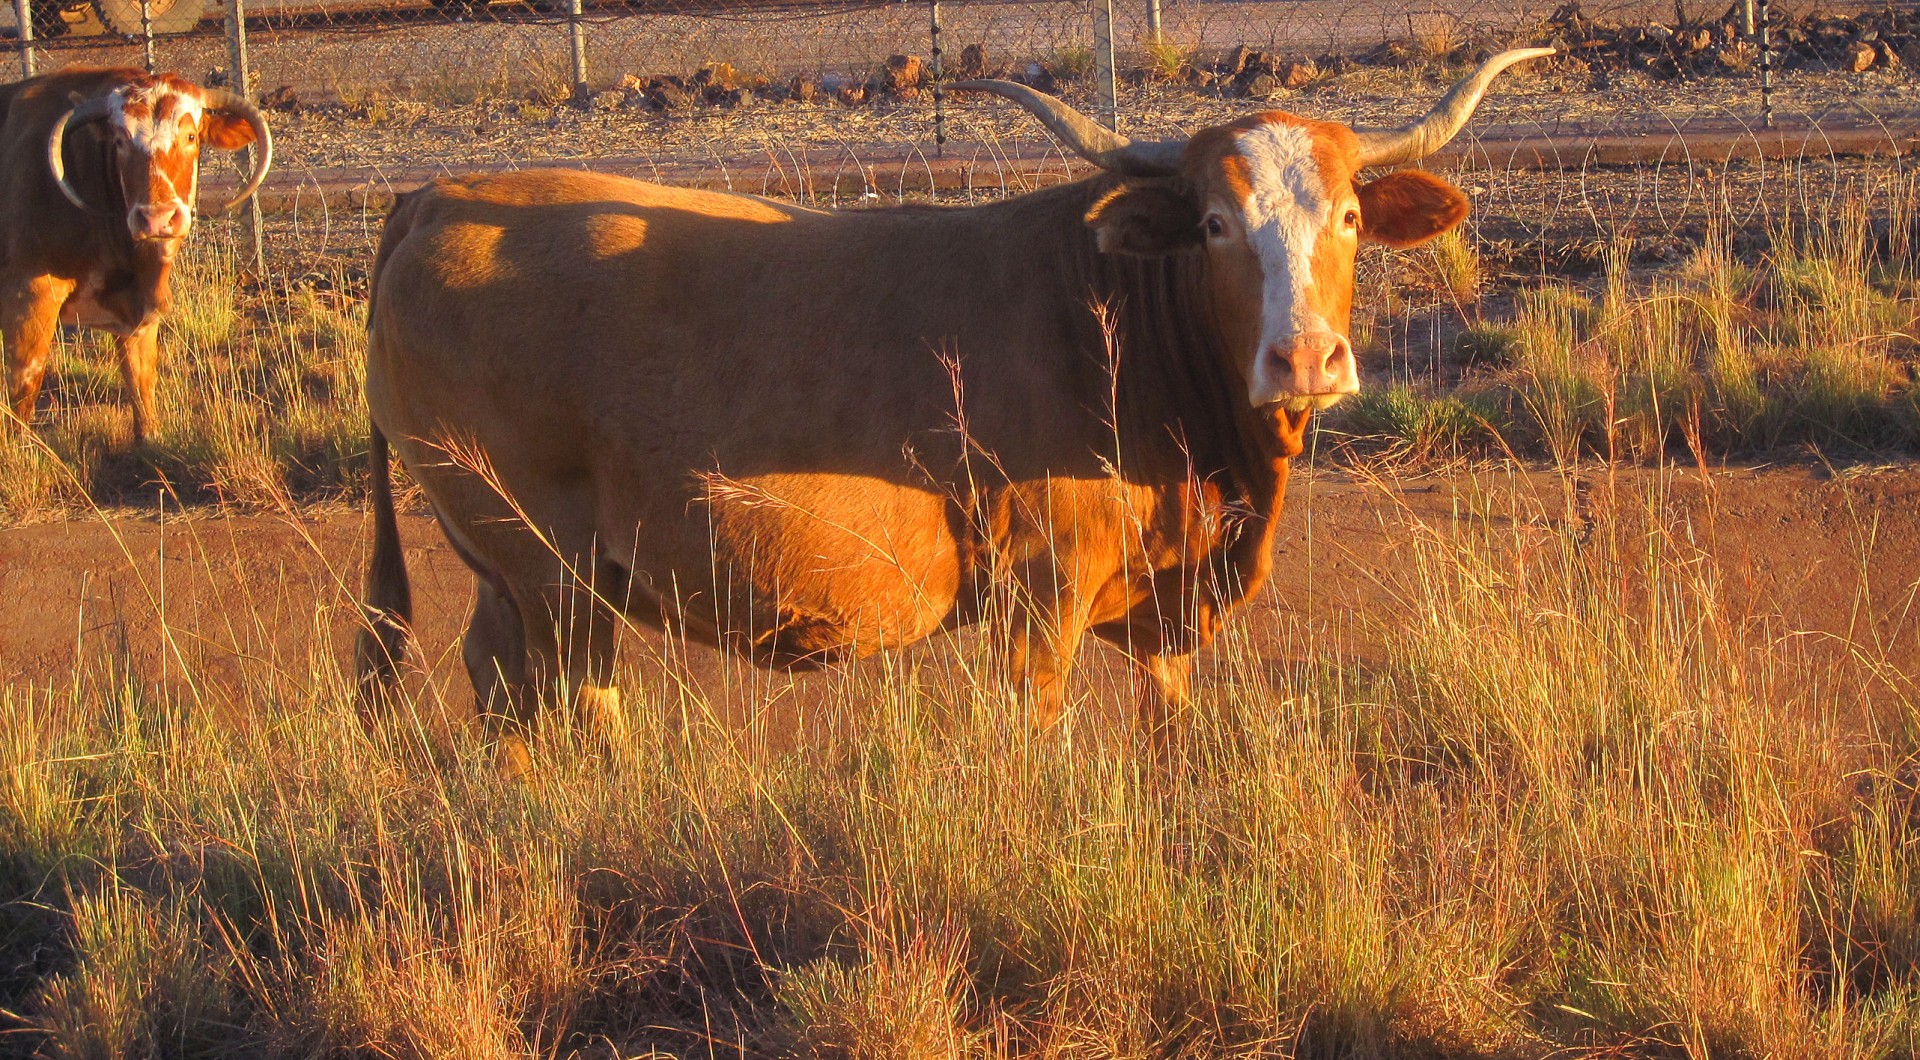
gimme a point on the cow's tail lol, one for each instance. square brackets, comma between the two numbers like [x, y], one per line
[387, 607]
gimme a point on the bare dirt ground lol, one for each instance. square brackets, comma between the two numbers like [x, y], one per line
[266, 602]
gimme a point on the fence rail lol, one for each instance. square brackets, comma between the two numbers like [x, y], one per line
[580, 47]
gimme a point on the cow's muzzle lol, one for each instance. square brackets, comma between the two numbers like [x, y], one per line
[1309, 372]
[159, 221]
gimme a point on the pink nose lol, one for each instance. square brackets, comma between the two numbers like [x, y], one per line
[159, 222]
[1316, 364]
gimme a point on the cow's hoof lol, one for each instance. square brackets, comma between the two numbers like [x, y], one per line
[511, 758]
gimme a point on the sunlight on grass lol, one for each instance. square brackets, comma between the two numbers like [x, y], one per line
[259, 395]
[1572, 802]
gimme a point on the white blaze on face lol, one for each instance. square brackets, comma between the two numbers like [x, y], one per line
[1284, 217]
[163, 125]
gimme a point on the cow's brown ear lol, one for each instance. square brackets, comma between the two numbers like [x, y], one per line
[225, 132]
[1407, 208]
[1145, 218]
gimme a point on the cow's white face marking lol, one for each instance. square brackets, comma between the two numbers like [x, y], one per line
[162, 125]
[1287, 212]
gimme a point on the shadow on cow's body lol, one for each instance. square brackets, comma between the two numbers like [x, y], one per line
[815, 434]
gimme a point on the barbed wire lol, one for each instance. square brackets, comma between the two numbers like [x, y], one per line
[829, 101]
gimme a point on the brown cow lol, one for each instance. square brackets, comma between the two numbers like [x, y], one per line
[814, 434]
[98, 170]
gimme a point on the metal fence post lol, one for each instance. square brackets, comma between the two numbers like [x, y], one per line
[242, 79]
[577, 48]
[939, 90]
[1103, 73]
[1766, 66]
[146, 34]
[1153, 21]
[23, 10]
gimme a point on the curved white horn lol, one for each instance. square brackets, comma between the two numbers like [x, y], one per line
[80, 114]
[233, 103]
[1386, 147]
[1088, 138]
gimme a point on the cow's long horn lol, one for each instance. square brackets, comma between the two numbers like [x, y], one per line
[1386, 147]
[1088, 138]
[219, 99]
[80, 114]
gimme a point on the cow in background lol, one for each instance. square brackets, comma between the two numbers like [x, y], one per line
[98, 175]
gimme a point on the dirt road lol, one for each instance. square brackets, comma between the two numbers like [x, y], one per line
[266, 602]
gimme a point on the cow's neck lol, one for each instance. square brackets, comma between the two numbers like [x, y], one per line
[1179, 406]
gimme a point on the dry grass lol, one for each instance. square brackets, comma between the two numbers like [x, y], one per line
[259, 395]
[1573, 806]
[1807, 344]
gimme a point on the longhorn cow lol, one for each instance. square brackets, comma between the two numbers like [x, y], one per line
[98, 175]
[813, 434]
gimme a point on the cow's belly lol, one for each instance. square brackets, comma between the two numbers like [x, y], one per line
[84, 309]
[806, 567]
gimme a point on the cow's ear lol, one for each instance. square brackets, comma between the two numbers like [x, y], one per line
[1407, 208]
[1145, 218]
[224, 131]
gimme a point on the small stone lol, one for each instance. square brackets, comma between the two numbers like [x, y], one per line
[1236, 61]
[1297, 75]
[611, 99]
[1335, 65]
[1889, 55]
[1260, 86]
[1859, 57]
[1037, 76]
[1693, 41]
[902, 74]
[973, 62]
[717, 75]
[1658, 33]
[282, 98]
[852, 94]
[1394, 53]
[665, 94]
[803, 89]
[738, 97]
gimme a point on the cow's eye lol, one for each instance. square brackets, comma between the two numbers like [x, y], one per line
[1352, 219]
[1215, 226]
[192, 137]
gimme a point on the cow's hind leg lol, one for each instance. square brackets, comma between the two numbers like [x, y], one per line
[29, 315]
[139, 356]
[495, 651]
[571, 623]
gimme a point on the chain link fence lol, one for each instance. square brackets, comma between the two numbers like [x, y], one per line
[842, 101]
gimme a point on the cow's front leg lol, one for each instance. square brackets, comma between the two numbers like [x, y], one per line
[139, 357]
[29, 315]
[1164, 692]
[1045, 646]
